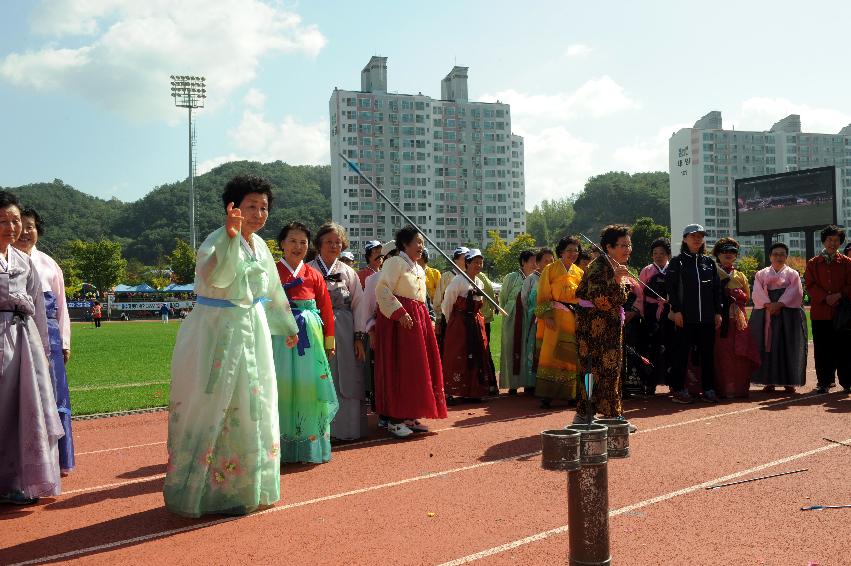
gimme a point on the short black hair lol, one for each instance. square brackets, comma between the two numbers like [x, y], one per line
[661, 243]
[833, 230]
[610, 235]
[525, 255]
[405, 236]
[776, 245]
[242, 185]
[583, 256]
[566, 241]
[282, 235]
[9, 199]
[542, 252]
[30, 212]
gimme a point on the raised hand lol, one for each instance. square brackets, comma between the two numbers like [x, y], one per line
[233, 221]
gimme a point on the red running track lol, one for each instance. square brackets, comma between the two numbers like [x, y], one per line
[473, 491]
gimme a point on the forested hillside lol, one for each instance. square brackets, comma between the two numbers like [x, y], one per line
[148, 228]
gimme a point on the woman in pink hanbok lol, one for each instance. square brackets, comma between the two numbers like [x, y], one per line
[778, 324]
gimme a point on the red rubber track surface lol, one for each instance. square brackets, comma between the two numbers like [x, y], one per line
[473, 491]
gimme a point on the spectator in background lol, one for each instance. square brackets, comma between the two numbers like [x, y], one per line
[97, 313]
[828, 279]
[584, 260]
[694, 292]
[432, 274]
[58, 327]
[445, 279]
[408, 370]
[558, 363]
[374, 259]
[532, 332]
[736, 355]
[467, 363]
[847, 250]
[30, 427]
[348, 258]
[778, 324]
[346, 293]
[658, 328]
[164, 311]
[512, 325]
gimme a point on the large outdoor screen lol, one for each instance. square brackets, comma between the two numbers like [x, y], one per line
[786, 202]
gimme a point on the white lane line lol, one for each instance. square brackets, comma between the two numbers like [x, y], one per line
[121, 386]
[278, 509]
[110, 485]
[630, 508]
[120, 448]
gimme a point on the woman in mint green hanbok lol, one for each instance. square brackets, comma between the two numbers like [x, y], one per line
[223, 436]
[511, 360]
[307, 401]
[530, 340]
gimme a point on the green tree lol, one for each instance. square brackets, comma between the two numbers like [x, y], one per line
[134, 273]
[182, 262]
[644, 231]
[550, 220]
[748, 265]
[510, 261]
[99, 263]
[495, 253]
[618, 197]
[274, 249]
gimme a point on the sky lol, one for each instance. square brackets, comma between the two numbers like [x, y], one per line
[594, 87]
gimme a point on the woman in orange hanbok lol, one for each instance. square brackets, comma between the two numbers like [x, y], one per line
[557, 366]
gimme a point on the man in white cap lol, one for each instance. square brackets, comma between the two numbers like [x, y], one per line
[348, 258]
[694, 293]
[445, 279]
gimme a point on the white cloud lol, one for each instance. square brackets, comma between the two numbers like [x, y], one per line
[255, 99]
[578, 50]
[558, 160]
[595, 98]
[645, 153]
[557, 164]
[130, 48]
[760, 113]
[256, 138]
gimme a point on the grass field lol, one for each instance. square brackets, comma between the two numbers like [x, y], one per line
[126, 365]
[120, 366]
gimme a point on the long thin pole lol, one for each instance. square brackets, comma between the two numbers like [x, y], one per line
[191, 186]
[757, 479]
[380, 193]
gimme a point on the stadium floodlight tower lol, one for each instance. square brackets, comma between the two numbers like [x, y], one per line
[190, 92]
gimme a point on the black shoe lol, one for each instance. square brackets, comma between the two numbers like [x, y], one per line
[528, 390]
[846, 390]
[512, 391]
[820, 390]
[546, 403]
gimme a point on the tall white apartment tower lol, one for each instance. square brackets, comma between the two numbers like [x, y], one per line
[706, 160]
[453, 166]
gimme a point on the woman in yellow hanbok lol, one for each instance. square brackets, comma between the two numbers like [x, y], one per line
[558, 363]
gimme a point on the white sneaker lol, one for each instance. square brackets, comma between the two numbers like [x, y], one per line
[400, 430]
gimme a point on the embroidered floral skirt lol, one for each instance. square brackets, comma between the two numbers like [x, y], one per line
[307, 401]
[223, 439]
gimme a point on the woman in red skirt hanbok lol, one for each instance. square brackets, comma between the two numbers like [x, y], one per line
[408, 373]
